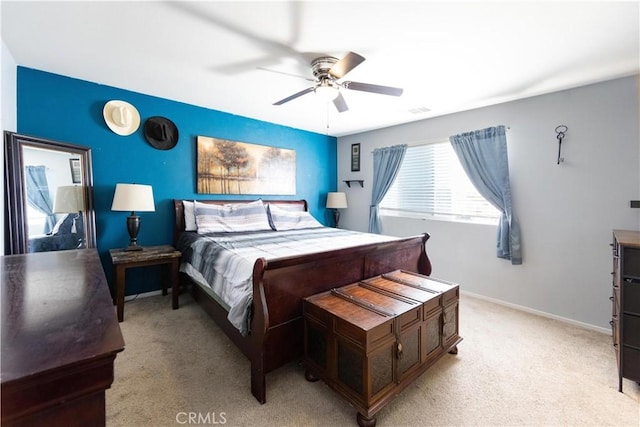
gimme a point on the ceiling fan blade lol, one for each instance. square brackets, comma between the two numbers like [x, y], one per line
[273, 46]
[366, 87]
[350, 61]
[286, 74]
[340, 103]
[295, 95]
[244, 66]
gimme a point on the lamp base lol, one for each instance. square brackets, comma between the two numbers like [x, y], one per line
[336, 217]
[133, 226]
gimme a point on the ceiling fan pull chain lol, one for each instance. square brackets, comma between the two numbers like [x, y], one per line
[327, 105]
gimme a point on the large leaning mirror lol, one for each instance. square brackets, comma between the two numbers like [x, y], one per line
[48, 195]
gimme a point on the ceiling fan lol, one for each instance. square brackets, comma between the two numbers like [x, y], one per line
[327, 70]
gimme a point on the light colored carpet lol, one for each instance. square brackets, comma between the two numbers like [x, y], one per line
[512, 369]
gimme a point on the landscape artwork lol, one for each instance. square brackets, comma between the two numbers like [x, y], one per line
[231, 167]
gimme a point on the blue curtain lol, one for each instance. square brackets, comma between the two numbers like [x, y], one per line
[483, 154]
[38, 195]
[386, 164]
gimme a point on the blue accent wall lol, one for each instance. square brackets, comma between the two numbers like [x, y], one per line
[70, 110]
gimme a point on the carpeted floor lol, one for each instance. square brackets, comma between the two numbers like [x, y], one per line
[512, 369]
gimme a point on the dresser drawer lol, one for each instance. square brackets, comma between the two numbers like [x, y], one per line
[631, 297]
[631, 330]
[631, 261]
[630, 363]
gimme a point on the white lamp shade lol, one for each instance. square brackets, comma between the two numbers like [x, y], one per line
[336, 200]
[69, 199]
[133, 197]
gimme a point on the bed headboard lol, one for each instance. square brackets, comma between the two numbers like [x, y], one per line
[179, 225]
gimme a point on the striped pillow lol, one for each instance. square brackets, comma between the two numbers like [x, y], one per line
[232, 217]
[284, 219]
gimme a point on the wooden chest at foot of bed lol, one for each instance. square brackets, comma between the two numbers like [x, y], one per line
[369, 340]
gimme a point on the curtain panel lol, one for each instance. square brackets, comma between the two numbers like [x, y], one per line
[483, 155]
[386, 164]
[38, 195]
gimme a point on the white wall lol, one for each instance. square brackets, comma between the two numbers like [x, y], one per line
[567, 212]
[8, 114]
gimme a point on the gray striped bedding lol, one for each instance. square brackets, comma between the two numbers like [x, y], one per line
[224, 261]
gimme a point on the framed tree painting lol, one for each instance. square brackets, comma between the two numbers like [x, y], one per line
[232, 167]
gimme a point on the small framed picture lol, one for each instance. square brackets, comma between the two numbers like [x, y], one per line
[76, 171]
[355, 157]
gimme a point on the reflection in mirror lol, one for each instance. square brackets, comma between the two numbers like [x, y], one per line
[47, 196]
[54, 204]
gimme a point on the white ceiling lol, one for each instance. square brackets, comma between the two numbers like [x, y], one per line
[447, 55]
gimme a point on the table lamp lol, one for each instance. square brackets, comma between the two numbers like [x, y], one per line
[69, 199]
[336, 201]
[133, 197]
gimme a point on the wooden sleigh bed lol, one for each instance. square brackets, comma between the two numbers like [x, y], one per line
[279, 285]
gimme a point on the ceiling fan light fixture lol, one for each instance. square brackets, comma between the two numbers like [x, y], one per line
[327, 91]
[327, 70]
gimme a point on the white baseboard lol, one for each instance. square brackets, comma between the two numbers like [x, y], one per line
[471, 294]
[539, 313]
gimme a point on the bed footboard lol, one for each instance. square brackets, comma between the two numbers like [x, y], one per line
[280, 285]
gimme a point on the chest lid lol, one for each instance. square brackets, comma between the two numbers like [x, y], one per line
[372, 302]
[343, 304]
[419, 281]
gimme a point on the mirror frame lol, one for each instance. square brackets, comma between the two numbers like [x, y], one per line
[15, 198]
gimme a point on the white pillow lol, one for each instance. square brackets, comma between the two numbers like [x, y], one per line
[232, 217]
[284, 219]
[63, 226]
[189, 216]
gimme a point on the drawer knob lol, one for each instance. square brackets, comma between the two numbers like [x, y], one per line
[399, 349]
[611, 322]
[611, 298]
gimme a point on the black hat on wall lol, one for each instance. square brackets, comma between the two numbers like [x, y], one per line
[161, 133]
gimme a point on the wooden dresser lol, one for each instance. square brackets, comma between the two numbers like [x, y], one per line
[371, 339]
[60, 337]
[625, 322]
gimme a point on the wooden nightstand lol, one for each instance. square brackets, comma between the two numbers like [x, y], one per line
[166, 256]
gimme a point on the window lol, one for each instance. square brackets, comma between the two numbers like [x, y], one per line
[35, 220]
[432, 184]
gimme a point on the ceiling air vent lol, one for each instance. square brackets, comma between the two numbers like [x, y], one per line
[419, 110]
